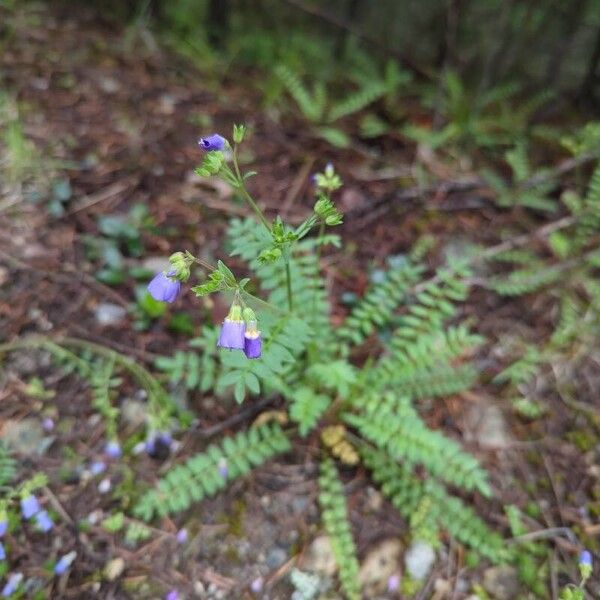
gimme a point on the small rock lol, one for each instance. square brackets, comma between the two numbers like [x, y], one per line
[501, 582]
[134, 412]
[419, 559]
[276, 556]
[108, 314]
[25, 436]
[114, 568]
[320, 558]
[299, 504]
[486, 425]
[374, 499]
[379, 565]
[109, 85]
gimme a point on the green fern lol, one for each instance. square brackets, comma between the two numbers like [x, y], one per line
[335, 519]
[393, 425]
[376, 308]
[357, 101]
[306, 407]
[406, 491]
[209, 472]
[197, 369]
[312, 106]
[524, 281]
[8, 466]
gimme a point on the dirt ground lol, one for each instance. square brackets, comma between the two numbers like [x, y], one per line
[119, 116]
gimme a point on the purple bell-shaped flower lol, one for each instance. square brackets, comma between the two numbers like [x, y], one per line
[232, 330]
[164, 288]
[29, 507]
[252, 341]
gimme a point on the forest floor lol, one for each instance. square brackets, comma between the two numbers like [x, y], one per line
[118, 116]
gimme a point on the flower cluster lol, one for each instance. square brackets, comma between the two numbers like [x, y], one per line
[239, 331]
[30, 508]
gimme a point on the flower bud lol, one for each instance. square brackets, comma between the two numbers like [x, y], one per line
[239, 131]
[585, 564]
[212, 142]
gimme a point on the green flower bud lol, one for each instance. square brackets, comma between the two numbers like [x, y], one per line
[181, 261]
[248, 315]
[239, 131]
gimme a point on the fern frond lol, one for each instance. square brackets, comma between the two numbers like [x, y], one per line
[379, 303]
[8, 466]
[357, 101]
[207, 473]
[524, 281]
[406, 491]
[522, 370]
[393, 425]
[306, 408]
[197, 370]
[335, 519]
[423, 368]
[311, 107]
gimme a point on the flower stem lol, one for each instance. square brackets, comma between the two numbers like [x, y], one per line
[288, 280]
[246, 194]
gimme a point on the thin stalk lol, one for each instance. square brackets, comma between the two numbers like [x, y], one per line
[288, 280]
[318, 258]
[246, 194]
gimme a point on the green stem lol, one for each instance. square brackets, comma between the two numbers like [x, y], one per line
[318, 259]
[246, 194]
[288, 280]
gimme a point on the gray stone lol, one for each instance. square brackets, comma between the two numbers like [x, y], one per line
[25, 436]
[133, 412]
[108, 314]
[276, 556]
[501, 582]
[419, 559]
[486, 425]
[320, 558]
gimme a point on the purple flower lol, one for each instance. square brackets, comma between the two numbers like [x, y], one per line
[223, 469]
[164, 288]
[29, 507]
[232, 334]
[252, 341]
[585, 558]
[2, 552]
[173, 595]
[97, 467]
[64, 563]
[212, 142]
[48, 424]
[43, 521]
[112, 449]
[257, 585]
[158, 444]
[252, 346]
[182, 536]
[3, 527]
[393, 582]
[12, 584]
